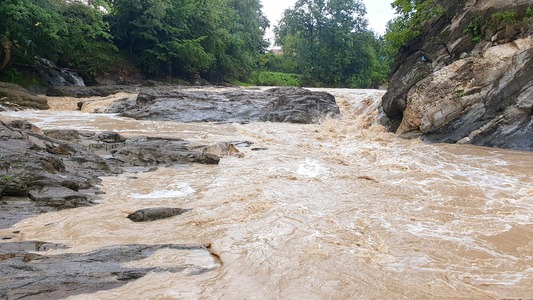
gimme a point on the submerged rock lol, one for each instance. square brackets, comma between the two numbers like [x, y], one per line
[467, 91]
[155, 213]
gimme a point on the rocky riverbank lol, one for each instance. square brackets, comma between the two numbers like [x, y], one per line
[475, 83]
[47, 170]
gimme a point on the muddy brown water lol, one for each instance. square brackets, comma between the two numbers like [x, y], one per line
[339, 210]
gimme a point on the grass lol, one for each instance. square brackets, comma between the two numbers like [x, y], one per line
[6, 178]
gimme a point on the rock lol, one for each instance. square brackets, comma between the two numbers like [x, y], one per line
[155, 213]
[55, 76]
[15, 97]
[467, 92]
[149, 151]
[59, 197]
[223, 149]
[16, 209]
[52, 167]
[110, 137]
[26, 273]
[294, 105]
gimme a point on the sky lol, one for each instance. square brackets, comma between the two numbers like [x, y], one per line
[378, 13]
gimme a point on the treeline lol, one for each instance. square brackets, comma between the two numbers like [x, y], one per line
[325, 42]
[329, 44]
[215, 39]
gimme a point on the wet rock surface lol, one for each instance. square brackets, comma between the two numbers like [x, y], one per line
[16, 209]
[466, 91]
[155, 213]
[292, 105]
[28, 272]
[15, 97]
[60, 168]
[50, 171]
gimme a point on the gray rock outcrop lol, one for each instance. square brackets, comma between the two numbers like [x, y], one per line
[15, 97]
[475, 85]
[26, 272]
[292, 105]
[61, 168]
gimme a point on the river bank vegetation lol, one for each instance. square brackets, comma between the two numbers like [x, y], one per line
[325, 43]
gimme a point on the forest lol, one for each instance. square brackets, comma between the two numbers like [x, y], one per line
[325, 42]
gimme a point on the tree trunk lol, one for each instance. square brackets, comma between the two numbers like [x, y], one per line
[7, 56]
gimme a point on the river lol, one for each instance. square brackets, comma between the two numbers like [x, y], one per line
[338, 210]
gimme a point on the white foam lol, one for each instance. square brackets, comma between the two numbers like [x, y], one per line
[182, 190]
[311, 168]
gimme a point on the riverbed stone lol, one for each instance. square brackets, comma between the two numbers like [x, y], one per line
[155, 213]
[59, 197]
[52, 167]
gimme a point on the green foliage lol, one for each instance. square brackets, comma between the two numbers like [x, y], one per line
[529, 12]
[504, 17]
[24, 79]
[217, 39]
[497, 21]
[412, 17]
[474, 28]
[277, 63]
[6, 178]
[67, 32]
[328, 42]
[266, 78]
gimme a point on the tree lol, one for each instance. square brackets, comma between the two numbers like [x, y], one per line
[68, 32]
[238, 41]
[412, 16]
[156, 34]
[329, 41]
[189, 38]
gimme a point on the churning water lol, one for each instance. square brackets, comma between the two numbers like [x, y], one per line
[339, 210]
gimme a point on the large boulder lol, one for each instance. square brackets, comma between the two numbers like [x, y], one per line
[15, 97]
[475, 85]
[293, 105]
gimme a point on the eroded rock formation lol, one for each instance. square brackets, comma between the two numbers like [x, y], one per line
[475, 85]
[60, 168]
[291, 105]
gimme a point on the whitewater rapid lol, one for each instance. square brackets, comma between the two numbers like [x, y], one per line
[337, 210]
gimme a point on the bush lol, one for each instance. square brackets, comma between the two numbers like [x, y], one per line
[267, 78]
